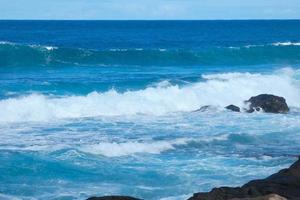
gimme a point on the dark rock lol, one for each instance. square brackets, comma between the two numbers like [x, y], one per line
[267, 197]
[268, 103]
[251, 110]
[113, 198]
[204, 109]
[285, 183]
[233, 108]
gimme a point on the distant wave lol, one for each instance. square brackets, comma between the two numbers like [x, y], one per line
[217, 89]
[21, 55]
[286, 44]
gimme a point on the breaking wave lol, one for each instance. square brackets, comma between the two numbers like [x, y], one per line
[215, 89]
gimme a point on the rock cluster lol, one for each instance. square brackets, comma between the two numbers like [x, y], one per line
[265, 102]
[285, 183]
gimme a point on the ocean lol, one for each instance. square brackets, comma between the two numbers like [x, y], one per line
[94, 108]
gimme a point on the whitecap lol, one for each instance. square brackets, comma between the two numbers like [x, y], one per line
[114, 149]
[286, 44]
[50, 48]
[217, 90]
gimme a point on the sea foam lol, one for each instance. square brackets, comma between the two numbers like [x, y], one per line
[217, 90]
[128, 148]
[286, 44]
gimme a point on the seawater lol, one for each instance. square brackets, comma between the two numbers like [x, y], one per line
[107, 107]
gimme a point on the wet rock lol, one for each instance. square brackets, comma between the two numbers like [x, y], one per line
[267, 197]
[268, 103]
[113, 198]
[233, 108]
[204, 109]
[285, 183]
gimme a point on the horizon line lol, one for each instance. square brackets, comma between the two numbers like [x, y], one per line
[273, 19]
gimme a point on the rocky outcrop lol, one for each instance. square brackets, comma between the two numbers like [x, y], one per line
[265, 102]
[267, 197]
[268, 103]
[205, 109]
[282, 185]
[233, 108]
[113, 198]
[285, 183]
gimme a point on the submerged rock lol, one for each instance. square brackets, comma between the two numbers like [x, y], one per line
[205, 108]
[113, 198]
[268, 103]
[233, 108]
[285, 183]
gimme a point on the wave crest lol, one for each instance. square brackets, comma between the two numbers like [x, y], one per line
[217, 90]
[286, 44]
[128, 148]
[19, 55]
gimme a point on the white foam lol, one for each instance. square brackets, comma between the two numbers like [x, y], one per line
[286, 44]
[118, 50]
[5, 42]
[217, 90]
[253, 45]
[10, 197]
[50, 48]
[162, 50]
[162, 84]
[278, 44]
[128, 148]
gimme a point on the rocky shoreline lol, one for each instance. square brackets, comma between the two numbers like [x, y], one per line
[283, 185]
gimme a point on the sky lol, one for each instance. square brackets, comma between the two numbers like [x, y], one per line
[149, 9]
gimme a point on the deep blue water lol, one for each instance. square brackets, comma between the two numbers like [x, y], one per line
[106, 107]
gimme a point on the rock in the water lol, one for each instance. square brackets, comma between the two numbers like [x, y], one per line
[233, 108]
[203, 109]
[268, 103]
[285, 183]
[113, 198]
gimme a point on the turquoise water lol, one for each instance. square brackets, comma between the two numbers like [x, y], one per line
[106, 107]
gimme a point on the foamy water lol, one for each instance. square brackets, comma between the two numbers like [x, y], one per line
[93, 108]
[217, 90]
[153, 132]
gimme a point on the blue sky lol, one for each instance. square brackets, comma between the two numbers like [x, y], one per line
[149, 9]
